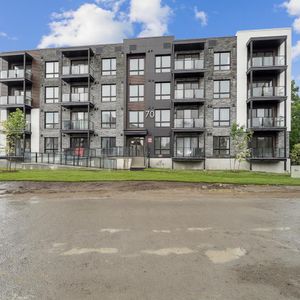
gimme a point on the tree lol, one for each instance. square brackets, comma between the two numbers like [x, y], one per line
[295, 129]
[14, 128]
[295, 155]
[240, 138]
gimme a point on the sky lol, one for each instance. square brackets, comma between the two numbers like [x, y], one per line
[34, 24]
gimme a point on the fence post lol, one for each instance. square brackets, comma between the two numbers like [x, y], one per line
[36, 157]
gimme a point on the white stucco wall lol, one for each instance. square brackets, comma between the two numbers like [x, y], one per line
[242, 39]
[35, 130]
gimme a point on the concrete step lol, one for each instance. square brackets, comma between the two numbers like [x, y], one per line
[137, 163]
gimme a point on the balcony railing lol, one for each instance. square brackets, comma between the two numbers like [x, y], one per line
[15, 74]
[188, 152]
[189, 64]
[15, 100]
[189, 123]
[76, 97]
[267, 61]
[272, 91]
[266, 122]
[76, 70]
[78, 125]
[268, 152]
[189, 94]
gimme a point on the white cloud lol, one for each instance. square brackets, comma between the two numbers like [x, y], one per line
[152, 15]
[296, 50]
[89, 24]
[201, 16]
[3, 34]
[296, 25]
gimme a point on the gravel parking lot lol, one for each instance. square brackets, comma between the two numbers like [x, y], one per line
[143, 240]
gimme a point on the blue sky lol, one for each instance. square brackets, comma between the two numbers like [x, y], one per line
[32, 23]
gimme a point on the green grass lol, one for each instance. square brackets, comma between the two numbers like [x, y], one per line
[80, 175]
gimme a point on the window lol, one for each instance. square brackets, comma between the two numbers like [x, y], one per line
[136, 66]
[136, 119]
[79, 116]
[109, 66]
[51, 119]
[108, 119]
[109, 92]
[108, 142]
[163, 64]
[52, 70]
[51, 144]
[221, 116]
[79, 67]
[162, 91]
[188, 118]
[51, 94]
[78, 142]
[222, 61]
[221, 89]
[162, 145]
[162, 118]
[221, 146]
[187, 146]
[136, 93]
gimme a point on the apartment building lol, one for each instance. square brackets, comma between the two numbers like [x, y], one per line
[173, 101]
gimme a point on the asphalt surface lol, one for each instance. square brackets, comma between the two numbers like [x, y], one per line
[149, 241]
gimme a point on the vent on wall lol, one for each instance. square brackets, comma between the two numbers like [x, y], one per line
[132, 47]
[167, 45]
[212, 43]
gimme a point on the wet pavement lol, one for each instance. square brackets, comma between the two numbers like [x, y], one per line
[135, 240]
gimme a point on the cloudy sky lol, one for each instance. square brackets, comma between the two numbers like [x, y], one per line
[49, 23]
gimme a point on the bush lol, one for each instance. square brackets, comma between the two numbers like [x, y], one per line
[295, 155]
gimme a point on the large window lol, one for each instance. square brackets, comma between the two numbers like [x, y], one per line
[221, 89]
[136, 66]
[108, 142]
[162, 145]
[51, 119]
[52, 69]
[162, 118]
[162, 91]
[163, 64]
[109, 93]
[222, 61]
[187, 146]
[136, 92]
[109, 66]
[221, 146]
[51, 144]
[51, 94]
[136, 119]
[108, 119]
[221, 117]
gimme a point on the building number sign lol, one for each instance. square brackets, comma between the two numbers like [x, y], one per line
[150, 114]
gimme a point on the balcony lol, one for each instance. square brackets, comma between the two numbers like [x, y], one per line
[79, 126]
[188, 125]
[266, 63]
[265, 124]
[190, 64]
[268, 154]
[77, 73]
[267, 93]
[77, 99]
[15, 75]
[189, 95]
[188, 153]
[15, 101]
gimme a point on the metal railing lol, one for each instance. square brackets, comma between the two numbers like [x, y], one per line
[76, 97]
[189, 64]
[189, 93]
[77, 70]
[266, 122]
[277, 91]
[189, 123]
[267, 61]
[78, 125]
[134, 151]
[15, 74]
[188, 152]
[268, 152]
[15, 100]
[70, 160]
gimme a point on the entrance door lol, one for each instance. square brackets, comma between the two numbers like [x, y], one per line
[136, 146]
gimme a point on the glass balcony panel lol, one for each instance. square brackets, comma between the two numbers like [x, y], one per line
[189, 64]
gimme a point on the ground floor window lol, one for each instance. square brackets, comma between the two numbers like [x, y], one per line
[108, 142]
[78, 142]
[221, 146]
[162, 145]
[51, 144]
[187, 146]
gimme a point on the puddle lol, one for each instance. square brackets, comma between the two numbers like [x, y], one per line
[168, 251]
[224, 256]
[79, 251]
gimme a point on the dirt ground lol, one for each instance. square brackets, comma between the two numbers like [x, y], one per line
[149, 240]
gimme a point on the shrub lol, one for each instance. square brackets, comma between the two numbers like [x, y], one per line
[295, 155]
